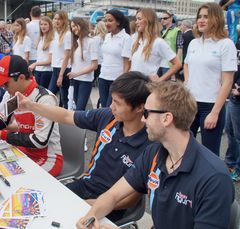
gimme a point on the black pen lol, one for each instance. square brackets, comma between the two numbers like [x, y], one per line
[5, 180]
[89, 222]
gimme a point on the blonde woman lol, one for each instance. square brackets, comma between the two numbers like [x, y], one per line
[100, 33]
[149, 49]
[43, 69]
[60, 57]
[208, 71]
[21, 42]
[84, 60]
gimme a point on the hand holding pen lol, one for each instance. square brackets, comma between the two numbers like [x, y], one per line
[5, 180]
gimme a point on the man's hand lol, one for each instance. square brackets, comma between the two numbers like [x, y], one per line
[59, 80]
[72, 75]
[82, 221]
[24, 102]
[31, 67]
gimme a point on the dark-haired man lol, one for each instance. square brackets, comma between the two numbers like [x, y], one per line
[35, 135]
[121, 135]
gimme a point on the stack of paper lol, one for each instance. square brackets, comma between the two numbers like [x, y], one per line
[19, 210]
[10, 168]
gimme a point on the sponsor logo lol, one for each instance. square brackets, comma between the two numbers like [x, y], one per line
[105, 136]
[183, 199]
[2, 69]
[153, 181]
[39, 123]
[26, 126]
[126, 160]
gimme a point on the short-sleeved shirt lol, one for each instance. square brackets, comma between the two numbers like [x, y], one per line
[160, 50]
[90, 53]
[113, 154]
[21, 48]
[114, 49]
[43, 55]
[58, 49]
[206, 60]
[198, 194]
[6, 40]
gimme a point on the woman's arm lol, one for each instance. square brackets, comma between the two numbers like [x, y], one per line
[41, 63]
[67, 53]
[210, 121]
[86, 70]
[126, 64]
[185, 73]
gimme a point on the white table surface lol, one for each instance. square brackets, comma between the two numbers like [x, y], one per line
[62, 205]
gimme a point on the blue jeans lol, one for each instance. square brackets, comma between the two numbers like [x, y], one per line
[211, 138]
[43, 78]
[232, 22]
[65, 85]
[104, 92]
[232, 157]
[81, 94]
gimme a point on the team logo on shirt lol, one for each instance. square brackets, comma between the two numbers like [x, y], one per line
[126, 160]
[105, 136]
[153, 181]
[183, 199]
[39, 123]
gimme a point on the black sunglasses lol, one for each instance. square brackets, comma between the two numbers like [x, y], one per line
[147, 111]
[164, 18]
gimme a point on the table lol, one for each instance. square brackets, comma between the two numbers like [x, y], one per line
[62, 205]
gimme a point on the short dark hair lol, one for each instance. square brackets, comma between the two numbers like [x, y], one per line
[121, 19]
[132, 87]
[36, 11]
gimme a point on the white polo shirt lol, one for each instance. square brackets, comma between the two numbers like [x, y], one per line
[160, 50]
[206, 60]
[114, 48]
[33, 31]
[21, 49]
[90, 53]
[58, 50]
[42, 55]
[99, 41]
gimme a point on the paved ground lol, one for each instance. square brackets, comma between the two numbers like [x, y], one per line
[146, 220]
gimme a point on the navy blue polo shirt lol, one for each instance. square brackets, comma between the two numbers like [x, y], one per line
[198, 194]
[114, 153]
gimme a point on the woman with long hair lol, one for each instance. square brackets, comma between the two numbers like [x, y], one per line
[21, 42]
[84, 59]
[149, 49]
[60, 57]
[116, 51]
[43, 69]
[100, 33]
[208, 71]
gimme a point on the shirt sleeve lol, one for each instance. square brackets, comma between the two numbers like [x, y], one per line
[94, 49]
[67, 41]
[211, 211]
[27, 44]
[164, 50]
[229, 56]
[127, 45]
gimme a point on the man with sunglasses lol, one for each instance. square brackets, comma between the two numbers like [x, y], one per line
[188, 186]
[121, 136]
[33, 134]
[173, 36]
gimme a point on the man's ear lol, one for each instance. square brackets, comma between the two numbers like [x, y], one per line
[167, 119]
[139, 108]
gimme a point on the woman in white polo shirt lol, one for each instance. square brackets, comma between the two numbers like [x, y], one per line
[21, 42]
[60, 57]
[43, 69]
[208, 70]
[84, 59]
[149, 49]
[116, 52]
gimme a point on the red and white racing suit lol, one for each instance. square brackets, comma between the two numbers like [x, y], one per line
[37, 136]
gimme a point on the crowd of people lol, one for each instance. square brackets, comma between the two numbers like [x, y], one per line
[159, 84]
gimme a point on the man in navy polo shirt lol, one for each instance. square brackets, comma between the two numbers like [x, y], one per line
[188, 186]
[121, 136]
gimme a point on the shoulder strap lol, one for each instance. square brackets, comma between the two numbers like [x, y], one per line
[4, 38]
